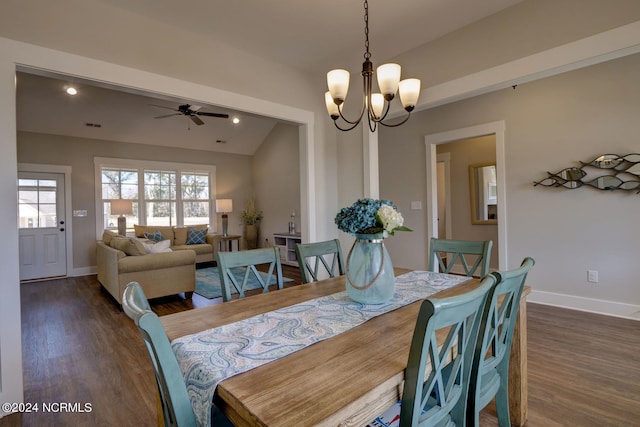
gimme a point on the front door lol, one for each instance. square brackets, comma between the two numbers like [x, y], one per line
[41, 223]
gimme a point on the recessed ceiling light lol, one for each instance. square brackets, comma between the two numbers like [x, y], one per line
[235, 120]
[71, 90]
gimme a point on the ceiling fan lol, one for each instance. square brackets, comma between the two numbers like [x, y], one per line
[191, 111]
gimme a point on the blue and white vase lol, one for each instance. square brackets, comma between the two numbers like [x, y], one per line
[370, 277]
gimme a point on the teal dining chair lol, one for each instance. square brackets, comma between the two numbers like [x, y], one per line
[317, 254]
[437, 375]
[176, 407]
[489, 376]
[237, 268]
[469, 254]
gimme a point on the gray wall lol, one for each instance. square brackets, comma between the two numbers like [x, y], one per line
[276, 182]
[551, 124]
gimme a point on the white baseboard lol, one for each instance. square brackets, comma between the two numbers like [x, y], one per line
[85, 271]
[609, 308]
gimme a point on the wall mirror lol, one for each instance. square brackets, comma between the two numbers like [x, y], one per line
[483, 190]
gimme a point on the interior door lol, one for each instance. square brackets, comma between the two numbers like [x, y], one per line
[41, 223]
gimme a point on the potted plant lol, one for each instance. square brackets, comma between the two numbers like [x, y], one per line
[251, 221]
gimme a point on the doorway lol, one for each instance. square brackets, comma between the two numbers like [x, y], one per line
[431, 142]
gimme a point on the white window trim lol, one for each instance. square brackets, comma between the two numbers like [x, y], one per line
[108, 162]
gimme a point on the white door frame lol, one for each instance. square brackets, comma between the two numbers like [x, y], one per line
[66, 171]
[431, 141]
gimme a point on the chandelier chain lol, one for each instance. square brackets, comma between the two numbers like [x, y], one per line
[367, 54]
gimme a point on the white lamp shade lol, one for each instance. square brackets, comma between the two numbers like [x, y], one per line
[377, 104]
[338, 83]
[121, 207]
[388, 79]
[332, 108]
[409, 92]
[224, 205]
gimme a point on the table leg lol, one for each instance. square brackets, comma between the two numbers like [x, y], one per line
[518, 368]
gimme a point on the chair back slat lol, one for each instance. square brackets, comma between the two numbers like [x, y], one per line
[176, 406]
[471, 255]
[442, 396]
[230, 262]
[490, 367]
[317, 254]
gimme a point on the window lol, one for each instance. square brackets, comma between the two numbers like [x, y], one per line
[195, 198]
[162, 194]
[37, 203]
[118, 184]
[160, 197]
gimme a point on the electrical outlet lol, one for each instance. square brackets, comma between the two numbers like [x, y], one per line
[592, 276]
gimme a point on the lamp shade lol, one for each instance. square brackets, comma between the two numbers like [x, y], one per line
[121, 207]
[224, 205]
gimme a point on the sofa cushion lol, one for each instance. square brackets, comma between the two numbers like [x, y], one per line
[201, 249]
[129, 245]
[156, 236]
[196, 237]
[167, 232]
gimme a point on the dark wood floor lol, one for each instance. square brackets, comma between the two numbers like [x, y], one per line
[78, 347]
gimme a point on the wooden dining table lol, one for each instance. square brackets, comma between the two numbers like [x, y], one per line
[346, 380]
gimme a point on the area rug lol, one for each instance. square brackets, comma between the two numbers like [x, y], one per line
[208, 281]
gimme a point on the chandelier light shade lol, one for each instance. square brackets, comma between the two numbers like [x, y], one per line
[375, 105]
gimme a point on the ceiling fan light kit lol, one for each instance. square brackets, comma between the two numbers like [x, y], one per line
[376, 105]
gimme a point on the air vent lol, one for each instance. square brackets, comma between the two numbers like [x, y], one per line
[93, 125]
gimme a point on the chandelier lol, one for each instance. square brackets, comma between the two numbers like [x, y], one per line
[376, 105]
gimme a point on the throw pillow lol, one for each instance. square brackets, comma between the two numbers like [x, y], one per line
[107, 235]
[129, 246]
[156, 248]
[156, 236]
[196, 237]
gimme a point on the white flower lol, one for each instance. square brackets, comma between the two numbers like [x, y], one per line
[391, 218]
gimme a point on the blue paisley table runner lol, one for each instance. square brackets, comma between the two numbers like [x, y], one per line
[208, 357]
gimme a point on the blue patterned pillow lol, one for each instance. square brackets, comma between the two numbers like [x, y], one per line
[196, 237]
[156, 236]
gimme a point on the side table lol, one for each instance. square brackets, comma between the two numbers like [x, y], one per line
[225, 243]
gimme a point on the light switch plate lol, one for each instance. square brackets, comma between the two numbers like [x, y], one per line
[416, 206]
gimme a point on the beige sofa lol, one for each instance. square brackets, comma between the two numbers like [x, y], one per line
[122, 260]
[177, 236]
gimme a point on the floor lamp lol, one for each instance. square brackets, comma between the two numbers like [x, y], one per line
[122, 207]
[225, 206]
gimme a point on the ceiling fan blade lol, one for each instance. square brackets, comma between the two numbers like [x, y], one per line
[197, 120]
[194, 107]
[162, 106]
[223, 116]
[168, 115]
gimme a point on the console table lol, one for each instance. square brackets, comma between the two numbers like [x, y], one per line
[286, 242]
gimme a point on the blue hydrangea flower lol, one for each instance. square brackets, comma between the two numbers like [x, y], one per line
[360, 217]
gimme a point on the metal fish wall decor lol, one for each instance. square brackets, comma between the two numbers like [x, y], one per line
[623, 173]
